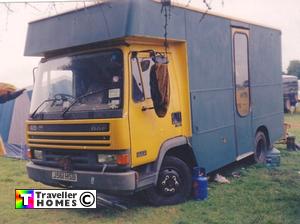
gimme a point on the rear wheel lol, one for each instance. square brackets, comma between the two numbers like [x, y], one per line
[261, 147]
[173, 185]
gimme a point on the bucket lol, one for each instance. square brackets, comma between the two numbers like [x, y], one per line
[290, 143]
[273, 158]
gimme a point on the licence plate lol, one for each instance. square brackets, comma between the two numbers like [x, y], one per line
[62, 175]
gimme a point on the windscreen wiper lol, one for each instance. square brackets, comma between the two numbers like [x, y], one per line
[41, 104]
[81, 97]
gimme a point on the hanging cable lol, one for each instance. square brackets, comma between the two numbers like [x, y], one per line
[207, 4]
[208, 7]
[166, 9]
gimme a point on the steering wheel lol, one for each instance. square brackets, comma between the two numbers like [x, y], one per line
[63, 96]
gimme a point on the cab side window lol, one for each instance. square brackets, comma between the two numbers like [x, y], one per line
[137, 88]
[140, 67]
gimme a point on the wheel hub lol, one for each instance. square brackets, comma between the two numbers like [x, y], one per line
[169, 182]
[261, 148]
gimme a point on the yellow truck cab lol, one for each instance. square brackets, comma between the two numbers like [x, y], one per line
[112, 110]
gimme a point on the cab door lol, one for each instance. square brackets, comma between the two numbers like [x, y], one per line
[242, 92]
[147, 130]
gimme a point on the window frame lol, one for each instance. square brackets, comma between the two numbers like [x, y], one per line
[246, 34]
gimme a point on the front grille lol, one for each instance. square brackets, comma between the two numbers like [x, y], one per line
[103, 127]
[77, 157]
[79, 160]
[69, 136]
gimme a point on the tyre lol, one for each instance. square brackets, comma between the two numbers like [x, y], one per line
[261, 147]
[173, 185]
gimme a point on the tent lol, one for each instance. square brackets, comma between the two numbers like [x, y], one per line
[12, 125]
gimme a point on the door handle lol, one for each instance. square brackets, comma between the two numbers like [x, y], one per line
[147, 108]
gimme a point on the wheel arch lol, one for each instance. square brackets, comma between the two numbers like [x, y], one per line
[178, 147]
[264, 130]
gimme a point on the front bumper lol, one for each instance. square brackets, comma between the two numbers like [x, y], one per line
[115, 183]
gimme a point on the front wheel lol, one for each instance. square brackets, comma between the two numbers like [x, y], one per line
[173, 185]
[261, 147]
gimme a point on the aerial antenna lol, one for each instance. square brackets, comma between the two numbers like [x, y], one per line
[166, 9]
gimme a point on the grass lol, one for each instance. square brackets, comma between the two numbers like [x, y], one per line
[294, 121]
[258, 196]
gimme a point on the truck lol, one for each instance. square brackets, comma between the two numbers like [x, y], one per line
[290, 92]
[116, 109]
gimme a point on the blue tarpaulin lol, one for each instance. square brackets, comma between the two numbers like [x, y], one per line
[12, 125]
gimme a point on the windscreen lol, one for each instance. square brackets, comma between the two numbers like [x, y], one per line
[79, 84]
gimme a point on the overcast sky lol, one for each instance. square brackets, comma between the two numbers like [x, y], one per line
[17, 69]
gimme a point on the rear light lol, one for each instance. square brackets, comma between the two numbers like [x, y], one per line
[122, 159]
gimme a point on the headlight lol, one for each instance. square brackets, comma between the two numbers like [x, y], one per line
[119, 159]
[38, 154]
[106, 158]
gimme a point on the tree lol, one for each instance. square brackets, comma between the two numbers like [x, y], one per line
[294, 68]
